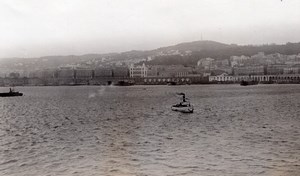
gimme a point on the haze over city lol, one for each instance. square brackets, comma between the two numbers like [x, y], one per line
[65, 27]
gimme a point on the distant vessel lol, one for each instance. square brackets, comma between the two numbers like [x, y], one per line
[172, 83]
[184, 106]
[248, 83]
[124, 83]
[11, 93]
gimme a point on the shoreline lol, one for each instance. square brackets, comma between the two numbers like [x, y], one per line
[65, 85]
[126, 81]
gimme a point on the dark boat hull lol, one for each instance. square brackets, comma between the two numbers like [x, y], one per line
[124, 83]
[248, 83]
[187, 108]
[183, 109]
[172, 83]
[11, 94]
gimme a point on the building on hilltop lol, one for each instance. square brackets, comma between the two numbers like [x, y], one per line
[258, 58]
[239, 60]
[222, 63]
[206, 63]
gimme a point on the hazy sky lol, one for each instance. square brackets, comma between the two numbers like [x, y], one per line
[32, 28]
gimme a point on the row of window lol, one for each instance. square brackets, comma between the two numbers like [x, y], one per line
[167, 80]
[265, 78]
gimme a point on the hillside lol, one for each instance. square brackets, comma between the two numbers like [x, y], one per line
[195, 46]
[223, 52]
[184, 53]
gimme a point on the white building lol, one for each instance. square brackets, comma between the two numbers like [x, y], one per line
[138, 71]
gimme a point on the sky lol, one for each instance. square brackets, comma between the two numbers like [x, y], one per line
[35, 28]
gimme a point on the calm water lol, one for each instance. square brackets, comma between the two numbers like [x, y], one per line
[85, 131]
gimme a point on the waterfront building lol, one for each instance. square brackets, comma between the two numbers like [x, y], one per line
[65, 73]
[289, 78]
[14, 75]
[174, 71]
[13, 81]
[42, 77]
[152, 71]
[4, 72]
[221, 70]
[295, 69]
[183, 71]
[66, 76]
[1, 81]
[35, 74]
[103, 72]
[249, 70]
[83, 73]
[46, 73]
[120, 72]
[50, 73]
[138, 71]
[275, 69]
[23, 74]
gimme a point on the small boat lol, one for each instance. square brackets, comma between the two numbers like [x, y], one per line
[124, 83]
[248, 83]
[11, 93]
[184, 106]
[172, 83]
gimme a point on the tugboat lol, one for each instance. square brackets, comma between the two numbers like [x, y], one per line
[11, 93]
[184, 106]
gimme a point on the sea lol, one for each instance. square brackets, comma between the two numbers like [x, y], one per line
[132, 131]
